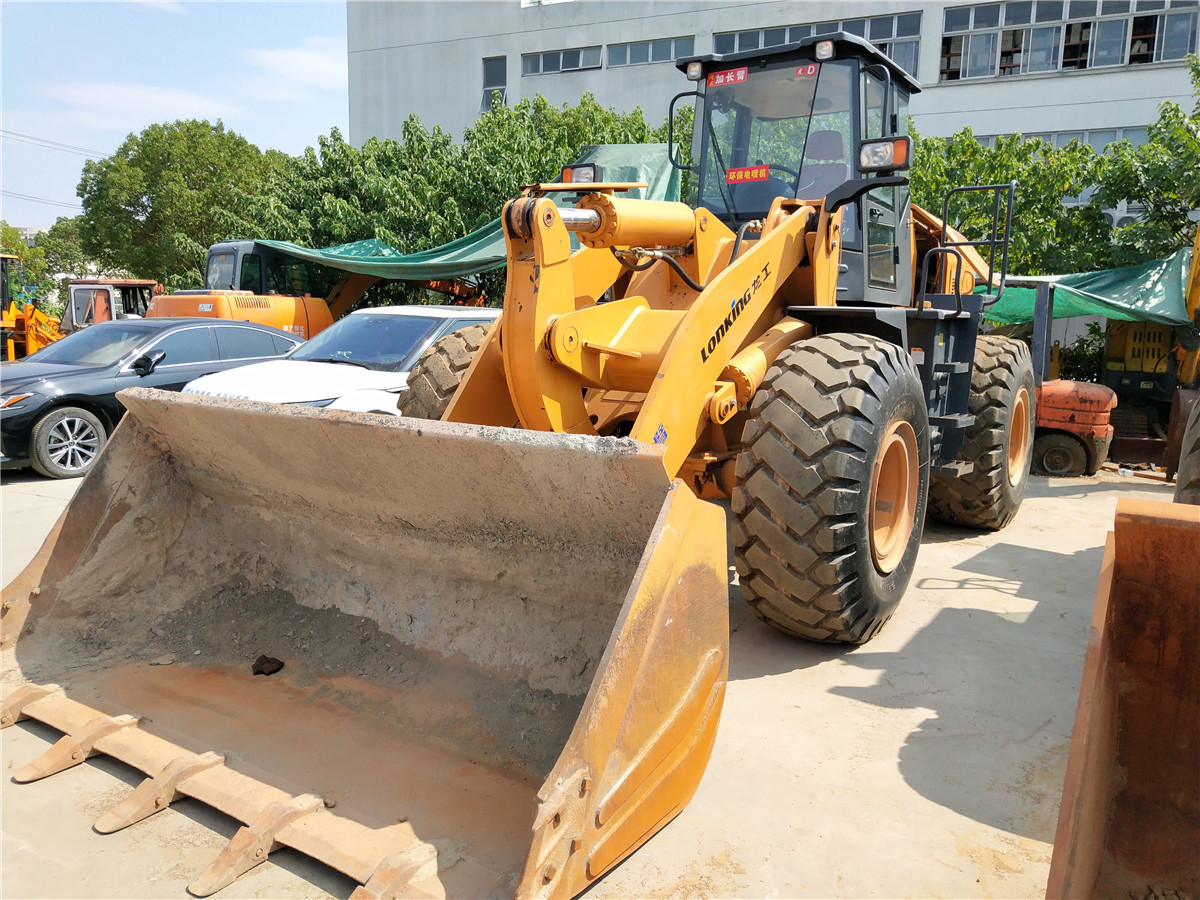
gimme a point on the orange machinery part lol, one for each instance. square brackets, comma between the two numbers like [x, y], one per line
[1076, 406]
[1129, 821]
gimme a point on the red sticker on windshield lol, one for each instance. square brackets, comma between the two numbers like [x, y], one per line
[749, 173]
[807, 71]
[733, 76]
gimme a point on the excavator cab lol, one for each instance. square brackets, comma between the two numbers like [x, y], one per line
[826, 123]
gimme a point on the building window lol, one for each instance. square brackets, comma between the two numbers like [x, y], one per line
[897, 36]
[495, 82]
[1050, 35]
[639, 52]
[560, 61]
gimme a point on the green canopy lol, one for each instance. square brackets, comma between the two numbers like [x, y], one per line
[1150, 292]
[483, 249]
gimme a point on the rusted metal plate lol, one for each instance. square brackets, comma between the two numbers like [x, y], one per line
[1129, 821]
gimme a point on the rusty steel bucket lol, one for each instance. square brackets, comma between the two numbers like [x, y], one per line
[1129, 822]
[504, 653]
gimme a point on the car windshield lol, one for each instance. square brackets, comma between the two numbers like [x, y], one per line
[782, 131]
[96, 345]
[382, 342]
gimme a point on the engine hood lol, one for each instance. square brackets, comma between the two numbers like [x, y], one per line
[294, 381]
[19, 374]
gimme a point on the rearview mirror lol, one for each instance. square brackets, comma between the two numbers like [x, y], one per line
[147, 362]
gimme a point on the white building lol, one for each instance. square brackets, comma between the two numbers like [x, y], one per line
[1093, 69]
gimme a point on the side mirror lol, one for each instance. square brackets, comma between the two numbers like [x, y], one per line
[147, 362]
[671, 148]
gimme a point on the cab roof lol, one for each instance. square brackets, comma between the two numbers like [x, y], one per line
[845, 45]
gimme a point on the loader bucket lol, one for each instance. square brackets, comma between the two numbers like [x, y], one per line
[1129, 822]
[504, 652]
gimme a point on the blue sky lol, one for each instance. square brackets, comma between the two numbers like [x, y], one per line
[86, 74]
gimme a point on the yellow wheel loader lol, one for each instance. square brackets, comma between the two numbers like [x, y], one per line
[504, 633]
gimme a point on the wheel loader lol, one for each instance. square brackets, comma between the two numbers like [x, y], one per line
[503, 629]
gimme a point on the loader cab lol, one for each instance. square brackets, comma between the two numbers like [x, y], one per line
[90, 301]
[800, 122]
[5, 292]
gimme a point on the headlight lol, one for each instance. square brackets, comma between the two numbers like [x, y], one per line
[884, 155]
[12, 399]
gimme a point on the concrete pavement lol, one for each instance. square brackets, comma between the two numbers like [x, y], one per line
[927, 763]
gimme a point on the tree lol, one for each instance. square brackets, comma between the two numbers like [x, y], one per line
[30, 282]
[65, 259]
[155, 205]
[1047, 236]
[1160, 175]
[425, 190]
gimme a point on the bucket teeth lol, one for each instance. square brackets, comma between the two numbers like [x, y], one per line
[252, 843]
[156, 793]
[13, 709]
[399, 872]
[72, 749]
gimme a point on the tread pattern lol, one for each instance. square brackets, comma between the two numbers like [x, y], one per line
[437, 374]
[801, 475]
[1187, 477]
[984, 497]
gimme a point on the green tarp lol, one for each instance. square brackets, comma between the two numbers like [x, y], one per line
[1150, 292]
[483, 249]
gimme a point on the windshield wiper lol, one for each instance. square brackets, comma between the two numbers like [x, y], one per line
[337, 359]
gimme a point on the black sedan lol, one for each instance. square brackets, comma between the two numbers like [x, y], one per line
[59, 405]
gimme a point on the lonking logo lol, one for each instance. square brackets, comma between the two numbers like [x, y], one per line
[735, 310]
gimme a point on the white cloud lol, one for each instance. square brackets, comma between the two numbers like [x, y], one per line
[171, 6]
[125, 107]
[292, 73]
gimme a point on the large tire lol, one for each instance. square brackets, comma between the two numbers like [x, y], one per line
[997, 443]
[65, 442]
[1059, 455]
[829, 501]
[1187, 478]
[438, 373]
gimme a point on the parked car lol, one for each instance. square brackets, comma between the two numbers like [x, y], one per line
[360, 362]
[59, 405]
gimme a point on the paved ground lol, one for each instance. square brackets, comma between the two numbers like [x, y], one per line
[927, 763]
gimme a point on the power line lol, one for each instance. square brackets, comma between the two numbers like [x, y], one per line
[52, 145]
[17, 196]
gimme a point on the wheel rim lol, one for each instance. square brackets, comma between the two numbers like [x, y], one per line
[894, 496]
[1057, 461]
[1018, 438]
[72, 444]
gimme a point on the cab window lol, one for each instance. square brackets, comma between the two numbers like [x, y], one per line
[251, 279]
[218, 274]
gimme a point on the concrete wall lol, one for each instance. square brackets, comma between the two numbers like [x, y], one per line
[425, 57]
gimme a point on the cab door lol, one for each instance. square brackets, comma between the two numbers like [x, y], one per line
[884, 212]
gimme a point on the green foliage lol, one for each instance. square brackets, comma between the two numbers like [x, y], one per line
[155, 205]
[1160, 175]
[65, 257]
[425, 189]
[29, 279]
[1047, 237]
[1083, 360]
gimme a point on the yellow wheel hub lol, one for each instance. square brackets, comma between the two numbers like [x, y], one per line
[1018, 438]
[894, 496]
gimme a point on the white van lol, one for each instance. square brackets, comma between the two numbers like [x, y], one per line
[360, 362]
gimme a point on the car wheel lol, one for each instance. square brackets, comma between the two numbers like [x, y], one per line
[65, 442]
